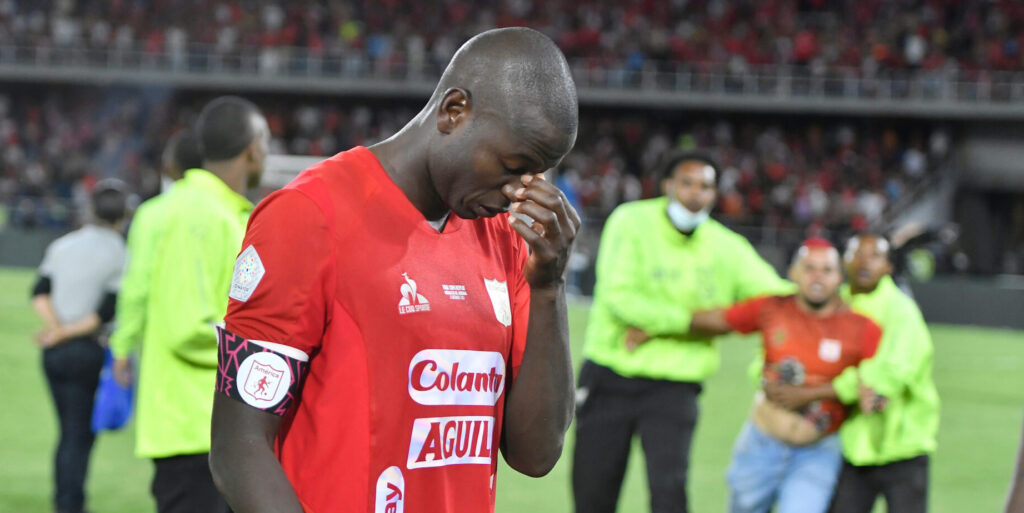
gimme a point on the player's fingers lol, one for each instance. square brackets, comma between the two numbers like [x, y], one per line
[538, 189]
[533, 239]
[574, 217]
[548, 220]
[547, 195]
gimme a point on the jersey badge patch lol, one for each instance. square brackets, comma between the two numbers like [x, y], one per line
[247, 275]
[498, 291]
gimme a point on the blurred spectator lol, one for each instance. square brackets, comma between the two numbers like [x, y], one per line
[868, 36]
[806, 175]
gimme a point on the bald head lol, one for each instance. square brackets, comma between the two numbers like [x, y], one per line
[504, 110]
[517, 76]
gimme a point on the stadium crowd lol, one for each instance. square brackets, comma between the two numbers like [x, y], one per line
[861, 37]
[808, 175]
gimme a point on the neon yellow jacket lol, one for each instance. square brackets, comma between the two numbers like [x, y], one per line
[901, 370]
[651, 276]
[190, 265]
[143, 236]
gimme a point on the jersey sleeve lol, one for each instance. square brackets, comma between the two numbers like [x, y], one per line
[623, 281]
[872, 335]
[755, 276]
[46, 267]
[745, 316]
[847, 383]
[134, 290]
[520, 304]
[281, 280]
[116, 272]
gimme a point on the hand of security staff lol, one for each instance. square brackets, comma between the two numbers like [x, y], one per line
[635, 337]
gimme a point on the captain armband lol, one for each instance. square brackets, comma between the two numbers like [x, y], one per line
[264, 375]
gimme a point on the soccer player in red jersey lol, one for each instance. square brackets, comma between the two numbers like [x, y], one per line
[783, 457]
[404, 327]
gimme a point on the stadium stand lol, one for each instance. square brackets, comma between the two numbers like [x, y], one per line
[867, 37]
[829, 117]
[808, 174]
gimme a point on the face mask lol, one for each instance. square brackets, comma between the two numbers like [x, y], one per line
[683, 219]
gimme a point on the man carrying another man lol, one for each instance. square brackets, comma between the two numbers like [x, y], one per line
[784, 457]
[888, 439]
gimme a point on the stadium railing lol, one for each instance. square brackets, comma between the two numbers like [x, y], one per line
[943, 93]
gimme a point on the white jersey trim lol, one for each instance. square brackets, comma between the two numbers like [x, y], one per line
[288, 351]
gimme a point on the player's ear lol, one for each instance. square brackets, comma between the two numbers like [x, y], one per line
[252, 150]
[454, 109]
[255, 151]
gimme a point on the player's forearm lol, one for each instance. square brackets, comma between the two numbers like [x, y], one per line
[821, 393]
[539, 406]
[658, 319]
[242, 460]
[43, 308]
[710, 322]
[84, 326]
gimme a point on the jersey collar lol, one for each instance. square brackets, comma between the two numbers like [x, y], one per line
[207, 181]
[884, 289]
[399, 201]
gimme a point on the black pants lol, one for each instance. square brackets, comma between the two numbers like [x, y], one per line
[610, 409]
[904, 484]
[73, 371]
[184, 484]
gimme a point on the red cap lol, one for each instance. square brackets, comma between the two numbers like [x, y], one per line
[817, 243]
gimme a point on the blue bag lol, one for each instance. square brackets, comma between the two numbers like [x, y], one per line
[113, 405]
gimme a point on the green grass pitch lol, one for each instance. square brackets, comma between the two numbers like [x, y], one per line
[980, 374]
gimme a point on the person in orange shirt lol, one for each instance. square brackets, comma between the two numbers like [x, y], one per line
[792, 458]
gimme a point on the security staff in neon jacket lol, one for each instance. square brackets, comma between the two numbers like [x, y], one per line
[660, 260]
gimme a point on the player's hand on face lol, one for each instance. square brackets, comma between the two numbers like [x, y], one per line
[551, 235]
[635, 337]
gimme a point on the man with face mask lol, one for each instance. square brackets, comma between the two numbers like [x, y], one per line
[660, 260]
[791, 458]
[203, 219]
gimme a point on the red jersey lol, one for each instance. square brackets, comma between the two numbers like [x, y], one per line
[412, 338]
[800, 348]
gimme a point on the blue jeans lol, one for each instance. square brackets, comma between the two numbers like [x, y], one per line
[765, 471]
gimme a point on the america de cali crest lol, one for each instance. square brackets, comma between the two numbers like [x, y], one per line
[412, 301]
[498, 291]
